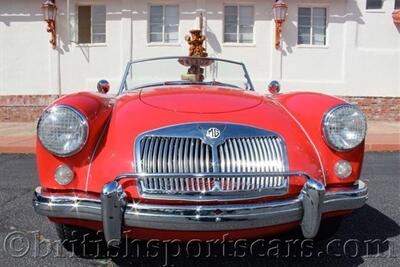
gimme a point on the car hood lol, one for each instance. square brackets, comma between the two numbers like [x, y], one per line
[199, 99]
[132, 116]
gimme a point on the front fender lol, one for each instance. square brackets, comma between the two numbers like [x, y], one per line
[308, 110]
[97, 109]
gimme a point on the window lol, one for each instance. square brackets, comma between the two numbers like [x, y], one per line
[374, 4]
[238, 24]
[164, 24]
[311, 26]
[397, 4]
[91, 24]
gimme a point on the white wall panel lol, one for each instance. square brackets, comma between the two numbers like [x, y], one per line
[361, 58]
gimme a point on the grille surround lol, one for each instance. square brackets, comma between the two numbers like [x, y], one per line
[175, 172]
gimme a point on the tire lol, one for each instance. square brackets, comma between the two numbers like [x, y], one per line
[329, 227]
[83, 242]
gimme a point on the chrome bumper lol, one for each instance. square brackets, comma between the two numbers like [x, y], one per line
[115, 213]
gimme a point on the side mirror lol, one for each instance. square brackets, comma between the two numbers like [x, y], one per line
[274, 87]
[103, 86]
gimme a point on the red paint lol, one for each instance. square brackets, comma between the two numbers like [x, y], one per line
[208, 99]
[96, 108]
[135, 117]
[136, 112]
[309, 109]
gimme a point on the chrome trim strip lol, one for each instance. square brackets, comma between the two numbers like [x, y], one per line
[208, 174]
[209, 217]
[346, 199]
[236, 193]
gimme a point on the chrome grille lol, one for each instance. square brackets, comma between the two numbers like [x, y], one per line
[177, 185]
[182, 160]
[174, 155]
[257, 154]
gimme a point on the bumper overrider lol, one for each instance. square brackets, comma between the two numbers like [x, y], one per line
[115, 212]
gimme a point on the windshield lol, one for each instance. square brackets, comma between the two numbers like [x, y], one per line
[185, 70]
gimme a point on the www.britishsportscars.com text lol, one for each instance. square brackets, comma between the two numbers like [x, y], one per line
[33, 244]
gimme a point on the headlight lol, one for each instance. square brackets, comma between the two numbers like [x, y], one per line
[63, 130]
[344, 127]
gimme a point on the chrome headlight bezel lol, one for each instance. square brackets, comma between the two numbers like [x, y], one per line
[325, 124]
[83, 122]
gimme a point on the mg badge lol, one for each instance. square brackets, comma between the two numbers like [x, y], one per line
[213, 133]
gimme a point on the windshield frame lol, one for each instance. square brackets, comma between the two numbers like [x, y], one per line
[124, 86]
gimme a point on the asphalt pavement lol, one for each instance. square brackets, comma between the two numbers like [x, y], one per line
[368, 237]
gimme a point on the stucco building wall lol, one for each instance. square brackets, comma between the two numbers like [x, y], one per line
[361, 59]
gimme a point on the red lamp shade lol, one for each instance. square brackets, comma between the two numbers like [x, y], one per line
[49, 10]
[279, 10]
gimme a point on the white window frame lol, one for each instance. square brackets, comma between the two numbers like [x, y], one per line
[163, 43]
[237, 43]
[91, 4]
[310, 45]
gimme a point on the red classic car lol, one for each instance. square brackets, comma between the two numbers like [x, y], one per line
[187, 149]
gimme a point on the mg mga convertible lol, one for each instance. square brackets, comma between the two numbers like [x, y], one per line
[187, 149]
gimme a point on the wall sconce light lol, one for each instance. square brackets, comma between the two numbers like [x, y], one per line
[396, 16]
[49, 15]
[279, 10]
